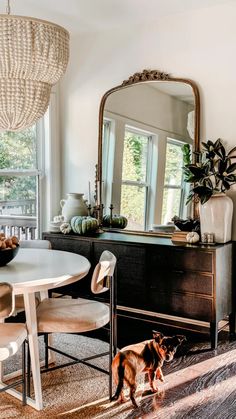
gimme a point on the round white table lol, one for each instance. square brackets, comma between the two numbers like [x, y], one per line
[38, 270]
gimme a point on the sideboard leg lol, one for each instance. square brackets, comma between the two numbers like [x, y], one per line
[214, 334]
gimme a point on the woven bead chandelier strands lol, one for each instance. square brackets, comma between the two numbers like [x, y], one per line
[33, 56]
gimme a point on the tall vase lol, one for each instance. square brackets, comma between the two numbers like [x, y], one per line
[216, 217]
[73, 205]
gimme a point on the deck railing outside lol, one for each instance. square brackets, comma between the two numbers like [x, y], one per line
[18, 218]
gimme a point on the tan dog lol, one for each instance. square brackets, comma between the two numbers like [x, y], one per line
[147, 356]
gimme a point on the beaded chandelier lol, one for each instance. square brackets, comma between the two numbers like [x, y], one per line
[33, 56]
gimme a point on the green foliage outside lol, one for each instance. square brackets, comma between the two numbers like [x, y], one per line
[173, 176]
[134, 169]
[18, 151]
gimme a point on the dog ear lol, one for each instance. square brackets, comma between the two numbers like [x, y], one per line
[181, 338]
[158, 336]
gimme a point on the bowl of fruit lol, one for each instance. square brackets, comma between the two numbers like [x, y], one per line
[9, 247]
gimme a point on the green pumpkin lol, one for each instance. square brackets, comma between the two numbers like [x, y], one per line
[117, 221]
[83, 224]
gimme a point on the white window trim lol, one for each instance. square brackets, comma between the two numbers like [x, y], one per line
[48, 171]
[181, 186]
[50, 183]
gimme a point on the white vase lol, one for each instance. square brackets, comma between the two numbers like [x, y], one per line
[73, 205]
[216, 217]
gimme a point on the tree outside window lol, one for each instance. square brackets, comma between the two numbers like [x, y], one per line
[134, 186]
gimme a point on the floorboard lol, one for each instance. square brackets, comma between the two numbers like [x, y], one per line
[199, 383]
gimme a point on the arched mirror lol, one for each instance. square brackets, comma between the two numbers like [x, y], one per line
[144, 127]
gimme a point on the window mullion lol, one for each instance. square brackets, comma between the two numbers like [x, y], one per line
[173, 186]
[20, 172]
[134, 183]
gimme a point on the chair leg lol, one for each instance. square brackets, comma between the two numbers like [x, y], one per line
[110, 358]
[115, 313]
[28, 372]
[24, 374]
[113, 329]
[46, 349]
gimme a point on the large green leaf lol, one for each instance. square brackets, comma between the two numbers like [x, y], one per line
[231, 168]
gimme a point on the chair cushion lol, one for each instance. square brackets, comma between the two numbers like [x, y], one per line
[6, 300]
[12, 335]
[71, 315]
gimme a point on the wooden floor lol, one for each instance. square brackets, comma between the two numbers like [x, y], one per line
[199, 383]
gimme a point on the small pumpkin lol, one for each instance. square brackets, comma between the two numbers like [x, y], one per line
[65, 228]
[192, 237]
[117, 221]
[83, 224]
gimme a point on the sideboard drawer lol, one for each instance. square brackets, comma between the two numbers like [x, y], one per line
[176, 258]
[181, 281]
[191, 306]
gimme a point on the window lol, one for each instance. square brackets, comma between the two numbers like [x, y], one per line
[135, 178]
[174, 192]
[19, 181]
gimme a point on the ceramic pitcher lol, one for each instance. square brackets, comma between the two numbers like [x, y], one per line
[73, 205]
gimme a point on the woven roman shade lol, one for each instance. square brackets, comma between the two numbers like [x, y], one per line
[33, 56]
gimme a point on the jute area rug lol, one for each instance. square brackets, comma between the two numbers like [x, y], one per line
[72, 392]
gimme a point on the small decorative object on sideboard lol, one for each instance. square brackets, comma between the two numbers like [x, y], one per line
[65, 228]
[73, 205]
[116, 221]
[211, 177]
[55, 225]
[192, 237]
[82, 225]
[179, 236]
[187, 225]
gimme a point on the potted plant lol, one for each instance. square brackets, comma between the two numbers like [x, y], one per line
[211, 176]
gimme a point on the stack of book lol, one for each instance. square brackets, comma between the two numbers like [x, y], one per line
[179, 236]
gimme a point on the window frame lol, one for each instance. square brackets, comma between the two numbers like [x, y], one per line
[37, 172]
[181, 186]
[147, 183]
[48, 171]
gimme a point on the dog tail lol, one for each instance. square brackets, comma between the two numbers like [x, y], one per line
[121, 374]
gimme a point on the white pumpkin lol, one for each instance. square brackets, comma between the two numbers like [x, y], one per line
[65, 228]
[193, 237]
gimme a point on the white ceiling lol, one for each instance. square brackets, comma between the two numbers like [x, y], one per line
[97, 15]
[179, 90]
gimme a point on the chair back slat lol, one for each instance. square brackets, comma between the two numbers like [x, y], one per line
[6, 300]
[103, 270]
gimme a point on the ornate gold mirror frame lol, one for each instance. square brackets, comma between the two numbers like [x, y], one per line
[139, 78]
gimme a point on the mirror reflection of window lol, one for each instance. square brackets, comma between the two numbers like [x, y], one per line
[144, 128]
[134, 188]
[174, 186]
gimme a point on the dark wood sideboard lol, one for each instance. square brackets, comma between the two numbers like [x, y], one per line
[187, 284]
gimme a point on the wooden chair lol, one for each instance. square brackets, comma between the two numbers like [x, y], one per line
[58, 315]
[12, 336]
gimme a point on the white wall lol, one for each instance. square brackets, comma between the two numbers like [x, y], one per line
[199, 45]
[150, 106]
